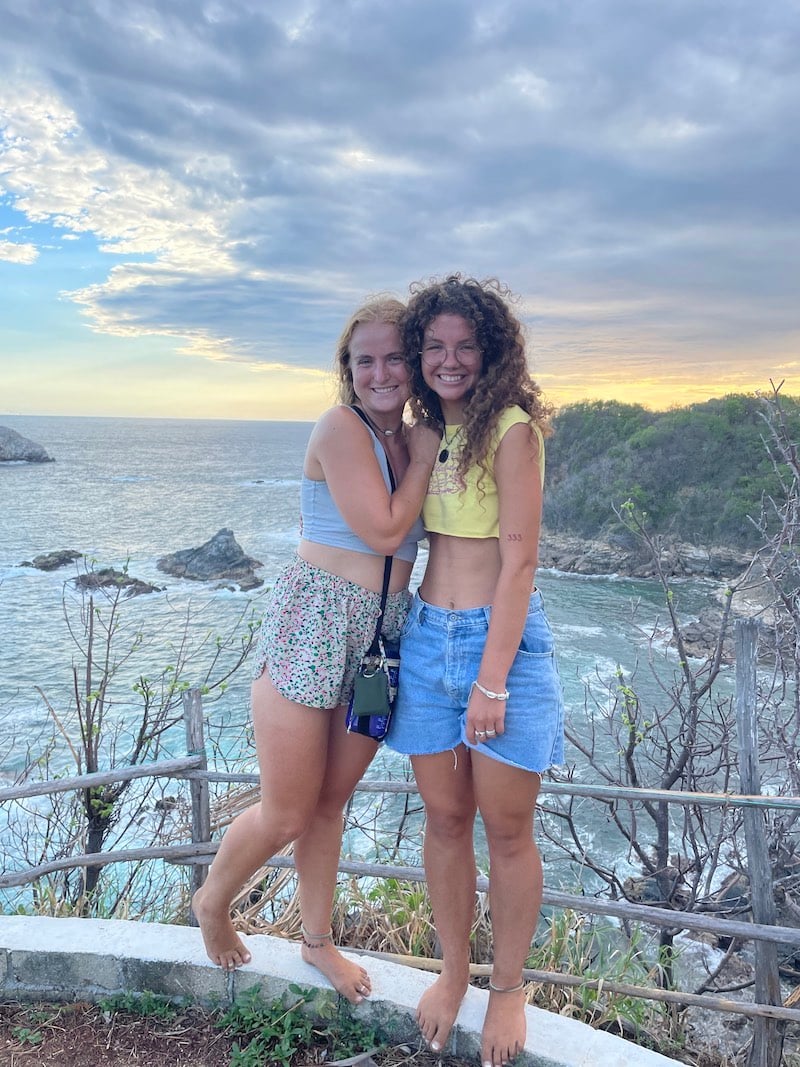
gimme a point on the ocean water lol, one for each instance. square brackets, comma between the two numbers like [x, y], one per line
[126, 491]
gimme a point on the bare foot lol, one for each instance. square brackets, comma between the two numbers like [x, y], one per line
[345, 975]
[223, 944]
[438, 1007]
[504, 1027]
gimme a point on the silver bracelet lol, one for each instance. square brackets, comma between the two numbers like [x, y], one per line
[488, 692]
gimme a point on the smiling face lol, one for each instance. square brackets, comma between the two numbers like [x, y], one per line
[380, 373]
[452, 363]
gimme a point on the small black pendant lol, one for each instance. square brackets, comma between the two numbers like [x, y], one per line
[444, 455]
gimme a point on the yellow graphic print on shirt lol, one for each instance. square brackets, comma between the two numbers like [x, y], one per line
[445, 479]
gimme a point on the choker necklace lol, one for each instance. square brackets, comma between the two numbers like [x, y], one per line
[444, 455]
[380, 429]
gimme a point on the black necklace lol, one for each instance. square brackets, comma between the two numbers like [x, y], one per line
[444, 455]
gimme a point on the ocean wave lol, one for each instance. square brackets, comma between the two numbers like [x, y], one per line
[602, 672]
[556, 573]
[286, 535]
[270, 483]
[567, 629]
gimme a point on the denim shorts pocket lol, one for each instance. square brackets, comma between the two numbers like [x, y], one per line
[411, 621]
[537, 637]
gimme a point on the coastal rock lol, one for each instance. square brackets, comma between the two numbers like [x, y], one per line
[109, 578]
[701, 636]
[576, 556]
[719, 1035]
[717, 561]
[16, 448]
[625, 556]
[221, 557]
[51, 561]
[650, 889]
[754, 597]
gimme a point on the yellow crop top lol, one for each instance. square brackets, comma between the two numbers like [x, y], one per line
[459, 507]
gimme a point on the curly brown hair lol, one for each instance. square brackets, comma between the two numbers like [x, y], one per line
[381, 308]
[505, 378]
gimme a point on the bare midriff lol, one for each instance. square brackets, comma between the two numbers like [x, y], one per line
[358, 567]
[462, 572]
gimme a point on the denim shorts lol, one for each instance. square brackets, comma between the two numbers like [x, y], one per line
[440, 653]
[315, 630]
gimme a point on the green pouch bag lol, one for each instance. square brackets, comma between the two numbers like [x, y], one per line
[371, 688]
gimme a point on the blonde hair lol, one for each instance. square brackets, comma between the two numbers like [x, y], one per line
[384, 308]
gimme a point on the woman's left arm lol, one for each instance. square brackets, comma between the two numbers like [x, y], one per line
[519, 495]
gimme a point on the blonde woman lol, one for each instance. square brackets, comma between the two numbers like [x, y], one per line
[320, 618]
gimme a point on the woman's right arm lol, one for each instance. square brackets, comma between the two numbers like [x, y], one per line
[341, 448]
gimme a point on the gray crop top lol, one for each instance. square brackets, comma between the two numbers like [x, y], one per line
[323, 523]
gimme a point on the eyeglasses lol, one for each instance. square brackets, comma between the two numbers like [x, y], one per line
[434, 353]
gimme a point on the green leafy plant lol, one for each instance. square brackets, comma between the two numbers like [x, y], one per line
[573, 944]
[27, 1036]
[146, 1004]
[273, 1031]
[408, 914]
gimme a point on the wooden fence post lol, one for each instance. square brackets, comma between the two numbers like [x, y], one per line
[198, 787]
[767, 1044]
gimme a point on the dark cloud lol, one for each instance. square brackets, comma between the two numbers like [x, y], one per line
[645, 153]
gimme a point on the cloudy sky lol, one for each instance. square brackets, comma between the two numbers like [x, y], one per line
[194, 194]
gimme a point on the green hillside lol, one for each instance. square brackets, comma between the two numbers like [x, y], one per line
[698, 472]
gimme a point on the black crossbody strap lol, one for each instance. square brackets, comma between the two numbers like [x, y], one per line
[375, 648]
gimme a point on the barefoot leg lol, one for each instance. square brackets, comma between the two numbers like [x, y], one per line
[316, 855]
[211, 906]
[507, 799]
[223, 945]
[504, 1028]
[291, 742]
[438, 1007]
[446, 787]
[345, 975]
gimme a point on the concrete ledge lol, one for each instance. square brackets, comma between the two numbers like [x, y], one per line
[69, 959]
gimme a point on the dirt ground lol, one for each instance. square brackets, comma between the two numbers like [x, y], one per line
[82, 1035]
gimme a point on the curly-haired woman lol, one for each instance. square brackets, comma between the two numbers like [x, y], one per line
[480, 709]
[320, 618]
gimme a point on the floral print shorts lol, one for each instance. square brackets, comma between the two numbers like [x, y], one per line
[316, 628]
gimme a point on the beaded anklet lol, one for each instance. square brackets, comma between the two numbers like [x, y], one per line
[316, 940]
[506, 989]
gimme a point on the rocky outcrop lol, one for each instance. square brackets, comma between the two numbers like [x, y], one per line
[625, 556]
[219, 559]
[700, 637]
[109, 578]
[16, 448]
[753, 597]
[51, 561]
